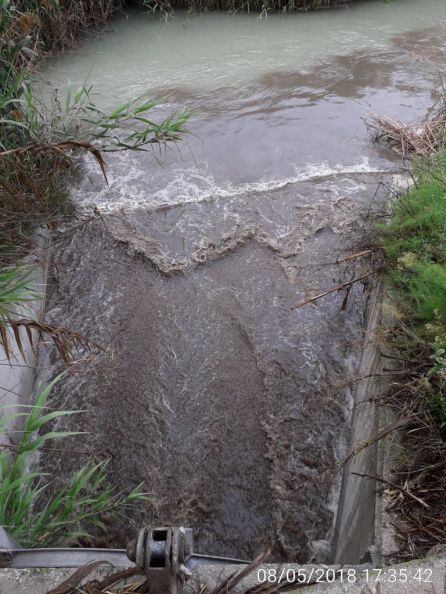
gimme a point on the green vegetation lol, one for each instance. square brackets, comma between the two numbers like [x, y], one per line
[14, 290]
[74, 510]
[414, 242]
[38, 142]
[414, 246]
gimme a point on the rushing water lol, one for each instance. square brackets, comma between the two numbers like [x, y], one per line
[229, 404]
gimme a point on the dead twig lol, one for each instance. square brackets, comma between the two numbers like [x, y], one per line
[62, 148]
[422, 138]
[66, 341]
[381, 435]
[393, 485]
[234, 579]
[357, 255]
[334, 289]
[71, 583]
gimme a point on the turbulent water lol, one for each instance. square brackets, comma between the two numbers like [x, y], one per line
[227, 401]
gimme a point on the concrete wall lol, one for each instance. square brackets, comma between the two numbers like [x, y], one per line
[17, 374]
[355, 522]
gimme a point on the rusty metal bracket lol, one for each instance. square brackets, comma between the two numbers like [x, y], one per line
[163, 553]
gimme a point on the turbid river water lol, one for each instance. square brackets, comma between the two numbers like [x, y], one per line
[230, 405]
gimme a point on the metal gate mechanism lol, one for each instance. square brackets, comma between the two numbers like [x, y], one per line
[165, 554]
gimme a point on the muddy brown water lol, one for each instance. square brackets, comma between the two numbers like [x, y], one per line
[227, 402]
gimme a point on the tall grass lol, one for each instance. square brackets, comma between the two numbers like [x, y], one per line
[414, 241]
[40, 144]
[75, 510]
[61, 21]
[166, 7]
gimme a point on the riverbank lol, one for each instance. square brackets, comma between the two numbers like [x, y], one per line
[60, 24]
[414, 247]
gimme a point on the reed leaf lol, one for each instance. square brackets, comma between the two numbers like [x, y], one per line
[36, 512]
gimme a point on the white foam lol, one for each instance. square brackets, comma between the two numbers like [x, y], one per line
[194, 186]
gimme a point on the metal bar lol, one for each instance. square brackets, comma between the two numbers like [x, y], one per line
[33, 558]
[198, 560]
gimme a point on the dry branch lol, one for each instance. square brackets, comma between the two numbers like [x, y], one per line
[423, 138]
[392, 485]
[66, 341]
[62, 148]
[334, 289]
[355, 256]
[71, 583]
[381, 435]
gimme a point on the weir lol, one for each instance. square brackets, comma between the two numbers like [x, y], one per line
[354, 539]
[363, 540]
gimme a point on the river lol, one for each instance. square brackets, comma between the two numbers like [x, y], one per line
[231, 405]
